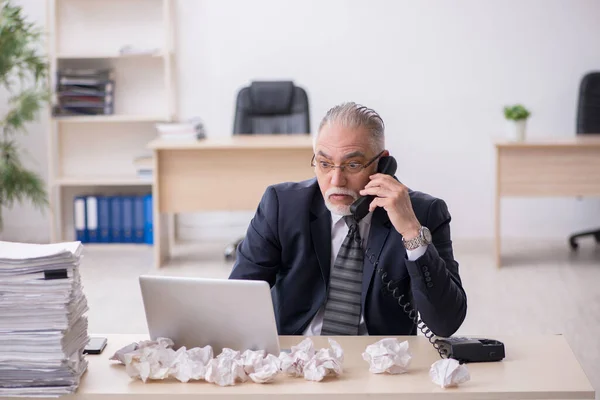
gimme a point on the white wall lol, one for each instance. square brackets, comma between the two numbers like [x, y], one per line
[437, 71]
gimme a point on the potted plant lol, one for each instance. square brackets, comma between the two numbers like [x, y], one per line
[23, 77]
[516, 116]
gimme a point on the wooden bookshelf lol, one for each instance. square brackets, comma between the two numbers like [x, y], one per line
[95, 154]
[111, 118]
[102, 181]
[83, 56]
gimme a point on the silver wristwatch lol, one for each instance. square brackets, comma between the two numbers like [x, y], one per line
[423, 239]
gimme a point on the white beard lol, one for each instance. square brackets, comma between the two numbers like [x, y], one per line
[339, 209]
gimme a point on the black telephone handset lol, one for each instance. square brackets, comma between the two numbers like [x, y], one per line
[360, 208]
[459, 348]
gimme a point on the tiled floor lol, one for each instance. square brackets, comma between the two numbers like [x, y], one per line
[544, 288]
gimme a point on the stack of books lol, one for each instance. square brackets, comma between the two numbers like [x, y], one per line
[43, 330]
[84, 92]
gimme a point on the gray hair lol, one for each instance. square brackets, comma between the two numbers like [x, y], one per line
[354, 115]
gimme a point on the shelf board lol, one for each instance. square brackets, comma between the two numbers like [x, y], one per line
[111, 118]
[88, 56]
[117, 246]
[102, 181]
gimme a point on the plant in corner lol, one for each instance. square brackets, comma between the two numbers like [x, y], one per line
[23, 78]
[516, 116]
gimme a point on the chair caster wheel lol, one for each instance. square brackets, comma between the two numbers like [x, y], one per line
[230, 252]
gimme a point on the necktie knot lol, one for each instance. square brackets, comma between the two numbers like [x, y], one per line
[352, 227]
[350, 221]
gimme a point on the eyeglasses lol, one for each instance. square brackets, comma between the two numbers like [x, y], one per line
[353, 167]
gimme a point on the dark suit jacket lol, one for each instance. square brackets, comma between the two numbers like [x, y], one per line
[288, 245]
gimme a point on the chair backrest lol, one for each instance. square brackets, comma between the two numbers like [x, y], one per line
[588, 109]
[271, 107]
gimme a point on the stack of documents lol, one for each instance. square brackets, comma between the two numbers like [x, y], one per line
[84, 92]
[43, 330]
[190, 130]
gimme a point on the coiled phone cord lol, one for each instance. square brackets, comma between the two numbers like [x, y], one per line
[412, 313]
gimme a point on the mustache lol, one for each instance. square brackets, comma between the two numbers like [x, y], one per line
[339, 190]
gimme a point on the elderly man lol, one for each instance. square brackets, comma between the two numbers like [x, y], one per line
[333, 275]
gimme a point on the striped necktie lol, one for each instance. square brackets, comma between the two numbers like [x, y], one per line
[342, 310]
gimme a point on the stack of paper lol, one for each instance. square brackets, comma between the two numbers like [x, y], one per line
[82, 91]
[190, 130]
[43, 330]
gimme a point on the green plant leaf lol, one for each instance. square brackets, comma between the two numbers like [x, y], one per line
[516, 112]
[23, 74]
[24, 107]
[17, 184]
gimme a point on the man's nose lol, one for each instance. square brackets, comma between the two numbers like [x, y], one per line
[338, 178]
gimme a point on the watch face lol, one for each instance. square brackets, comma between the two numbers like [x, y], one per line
[426, 235]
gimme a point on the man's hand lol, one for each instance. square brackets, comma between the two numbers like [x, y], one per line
[393, 197]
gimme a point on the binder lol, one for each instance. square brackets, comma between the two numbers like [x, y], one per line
[79, 219]
[148, 215]
[127, 218]
[116, 219]
[138, 219]
[92, 218]
[104, 219]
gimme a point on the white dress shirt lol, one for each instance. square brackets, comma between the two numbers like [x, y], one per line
[339, 231]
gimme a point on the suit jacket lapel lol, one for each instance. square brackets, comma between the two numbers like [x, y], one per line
[320, 229]
[380, 229]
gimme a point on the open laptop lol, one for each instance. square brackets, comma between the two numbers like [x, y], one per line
[195, 312]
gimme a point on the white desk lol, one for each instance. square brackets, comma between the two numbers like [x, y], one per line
[568, 167]
[223, 174]
[539, 367]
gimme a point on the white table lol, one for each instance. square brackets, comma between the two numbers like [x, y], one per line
[536, 367]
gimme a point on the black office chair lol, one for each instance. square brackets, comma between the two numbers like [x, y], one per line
[588, 122]
[270, 107]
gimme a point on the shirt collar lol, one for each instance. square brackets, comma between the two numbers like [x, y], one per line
[335, 218]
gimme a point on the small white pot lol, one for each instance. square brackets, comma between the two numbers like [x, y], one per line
[515, 130]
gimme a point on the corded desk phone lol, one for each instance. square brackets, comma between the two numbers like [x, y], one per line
[472, 349]
[459, 348]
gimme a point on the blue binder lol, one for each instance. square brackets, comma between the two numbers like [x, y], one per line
[92, 218]
[138, 219]
[148, 225]
[79, 218]
[127, 218]
[116, 219]
[104, 219]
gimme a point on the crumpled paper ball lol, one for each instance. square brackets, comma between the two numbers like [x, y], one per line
[153, 360]
[325, 362]
[388, 355]
[259, 368]
[226, 369]
[157, 360]
[303, 360]
[120, 354]
[191, 364]
[448, 372]
[292, 364]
